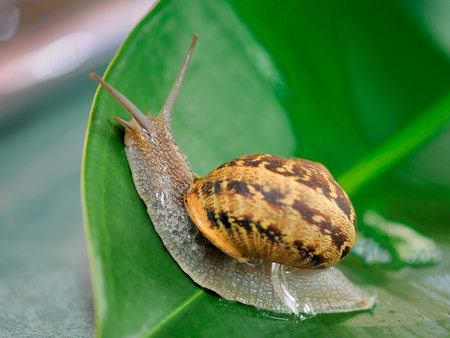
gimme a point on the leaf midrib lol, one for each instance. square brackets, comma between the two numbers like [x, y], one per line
[173, 314]
[403, 143]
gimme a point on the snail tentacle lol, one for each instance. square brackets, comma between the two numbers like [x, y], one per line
[139, 116]
[169, 106]
[124, 123]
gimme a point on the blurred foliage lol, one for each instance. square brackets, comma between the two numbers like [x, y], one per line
[357, 86]
[392, 244]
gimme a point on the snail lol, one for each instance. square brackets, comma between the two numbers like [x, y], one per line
[261, 230]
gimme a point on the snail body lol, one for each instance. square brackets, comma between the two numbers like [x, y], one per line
[268, 241]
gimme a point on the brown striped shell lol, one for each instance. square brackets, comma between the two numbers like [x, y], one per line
[289, 211]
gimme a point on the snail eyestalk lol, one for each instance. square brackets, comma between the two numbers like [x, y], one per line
[132, 109]
[169, 106]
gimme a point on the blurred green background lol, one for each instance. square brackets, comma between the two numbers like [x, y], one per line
[333, 82]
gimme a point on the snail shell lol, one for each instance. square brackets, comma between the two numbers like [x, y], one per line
[162, 175]
[267, 207]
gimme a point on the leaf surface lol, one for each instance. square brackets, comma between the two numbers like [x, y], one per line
[323, 81]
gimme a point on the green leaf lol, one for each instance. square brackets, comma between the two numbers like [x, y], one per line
[347, 84]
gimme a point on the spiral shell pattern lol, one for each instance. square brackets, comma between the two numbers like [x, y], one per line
[289, 211]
